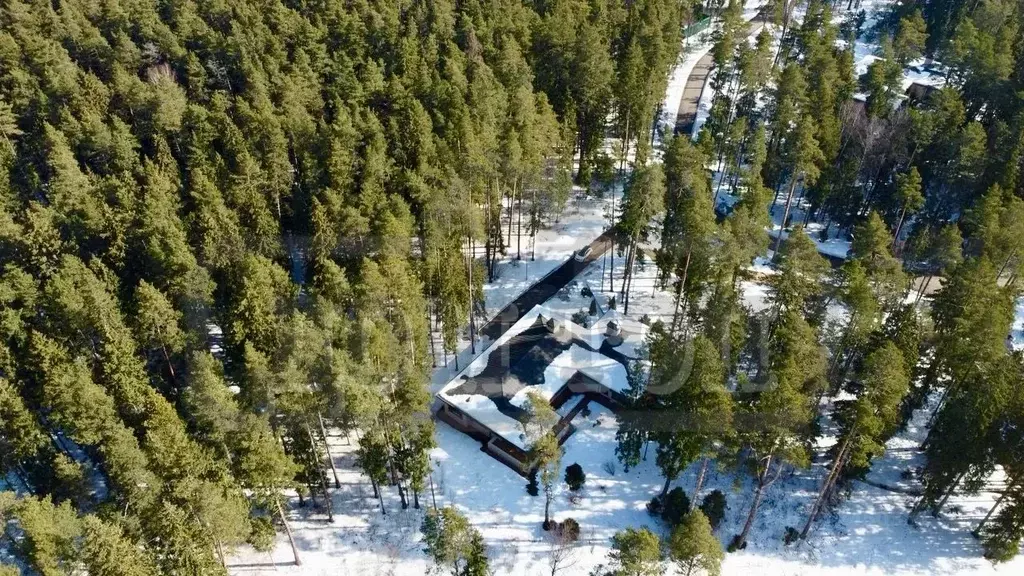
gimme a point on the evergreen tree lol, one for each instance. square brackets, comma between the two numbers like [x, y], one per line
[783, 411]
[157, 324]
[693, 546]
[643, 199]
[636, 553]
[908, 192]
[883, 382]
[688, 226]
[807, 157]
[453, 543]
[634, 427]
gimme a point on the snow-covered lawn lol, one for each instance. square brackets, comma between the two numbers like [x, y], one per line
[867, 534]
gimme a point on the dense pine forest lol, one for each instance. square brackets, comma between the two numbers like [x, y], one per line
[232, 228]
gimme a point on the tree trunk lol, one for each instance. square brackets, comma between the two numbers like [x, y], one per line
[741, 540]
[604, 266]
[327, 448]
[547, 509]
[534, 224]
[472, 328]
[924, 287]
[288, 531]
[519, 231]
[918, 506]
[627, 281]
[323, 482]
[977, 531]
[220, 553]
[896, 235]
[785, 216]
[511, 210]
[401, 495]
[1005, 264]
[487, 239]
[433, 497]
[625, 148]
[935, 413]
[664, 489]
[611, 250]
[430, 334]
[835, 379]
[700, 479]
[170, 366]
[782, 37]
[826, 486]
[778, 190]
[949, 491]
[721, 178]
[679, 290]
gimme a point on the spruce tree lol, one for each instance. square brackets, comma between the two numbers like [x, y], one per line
[883, 382]
[453, 543]
[636, 553]
[694, 547]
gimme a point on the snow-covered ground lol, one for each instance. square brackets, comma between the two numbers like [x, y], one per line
[868, 534]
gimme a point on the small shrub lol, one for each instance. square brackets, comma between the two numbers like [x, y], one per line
[645, 319]
[575, 477]
[714, 508]
[907, 474]
[675, 506]
[654, 507]
[611, 303]
[734, 544]
[609, 467]
[586, 292]
[586, 411]
[581, 318]
[568, 529]
[533, 488]
[593, 307]
[792, 535]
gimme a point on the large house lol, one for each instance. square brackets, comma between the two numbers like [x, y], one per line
[568, 364]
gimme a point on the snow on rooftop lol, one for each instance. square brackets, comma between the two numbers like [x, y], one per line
[605, 370]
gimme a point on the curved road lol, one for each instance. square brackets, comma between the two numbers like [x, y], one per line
[695, 86]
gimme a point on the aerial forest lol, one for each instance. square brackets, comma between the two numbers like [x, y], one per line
[231, 229]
